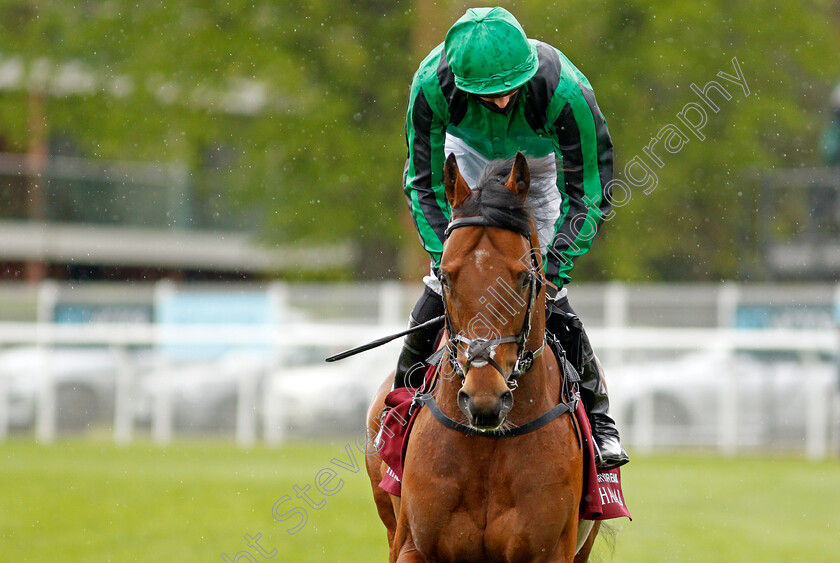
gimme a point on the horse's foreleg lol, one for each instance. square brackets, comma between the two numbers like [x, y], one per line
[410, 555]
[583, 553]
[403, 549]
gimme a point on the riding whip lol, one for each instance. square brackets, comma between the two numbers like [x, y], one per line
[384, 340]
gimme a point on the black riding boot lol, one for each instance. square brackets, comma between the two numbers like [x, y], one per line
[420, 344]
[567, 328]
[593, 392]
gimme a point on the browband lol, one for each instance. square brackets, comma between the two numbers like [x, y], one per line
[478, 221]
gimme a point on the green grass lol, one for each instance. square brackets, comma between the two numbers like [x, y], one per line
[705, 508]
[83, 501]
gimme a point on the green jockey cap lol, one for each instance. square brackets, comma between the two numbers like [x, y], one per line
[488, 52]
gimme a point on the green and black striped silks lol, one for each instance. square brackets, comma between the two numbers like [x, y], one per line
[555, 111]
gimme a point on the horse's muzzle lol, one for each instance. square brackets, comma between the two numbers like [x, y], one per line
[485, 411]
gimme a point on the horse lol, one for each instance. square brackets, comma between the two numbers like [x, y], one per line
[474, 489]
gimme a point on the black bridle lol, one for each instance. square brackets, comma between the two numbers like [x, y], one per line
[481, 349]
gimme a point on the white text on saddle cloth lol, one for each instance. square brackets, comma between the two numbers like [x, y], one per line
[609, 491]
[608, 494]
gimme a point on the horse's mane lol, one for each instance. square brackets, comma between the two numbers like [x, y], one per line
[498, 205]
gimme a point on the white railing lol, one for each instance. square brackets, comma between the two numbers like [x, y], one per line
[820, 386]
[611, 343]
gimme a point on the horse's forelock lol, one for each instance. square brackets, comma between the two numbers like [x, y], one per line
[492, 200]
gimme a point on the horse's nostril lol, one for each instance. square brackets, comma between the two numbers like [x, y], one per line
[506, 401]
[464, 401]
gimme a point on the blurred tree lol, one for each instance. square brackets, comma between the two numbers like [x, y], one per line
[296, 108]
[642, 56]
[293, 107]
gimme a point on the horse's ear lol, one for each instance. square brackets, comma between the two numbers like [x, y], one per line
[520, 177]
[457, 189]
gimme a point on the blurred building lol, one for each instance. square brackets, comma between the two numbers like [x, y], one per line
[78, 219]
[66, 217]
[799, 224]
[799, 219]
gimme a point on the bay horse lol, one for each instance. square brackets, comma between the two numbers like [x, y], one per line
[473, 488]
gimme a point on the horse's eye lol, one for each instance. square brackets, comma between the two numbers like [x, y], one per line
[525, 281]
[444, 280]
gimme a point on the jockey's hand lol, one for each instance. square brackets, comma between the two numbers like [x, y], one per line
[551, 290]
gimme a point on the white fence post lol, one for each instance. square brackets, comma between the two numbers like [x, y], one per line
[834, 418]
[728, 404]
[45, 415]
[644, 431]
[162, 406]
[123, 397]
[47, 299]
[246, 416]
[727, 305]
[274, 424]
[817, 421]
[278, 295]
[272, 433]
[4, 407]
[274, 420]
[834, 387]
[45, 403]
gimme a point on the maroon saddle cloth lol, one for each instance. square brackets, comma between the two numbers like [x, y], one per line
[602, 497]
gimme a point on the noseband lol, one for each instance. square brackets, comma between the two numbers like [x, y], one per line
[481, 349]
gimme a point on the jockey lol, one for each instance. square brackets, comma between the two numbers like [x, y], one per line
[485, 93]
